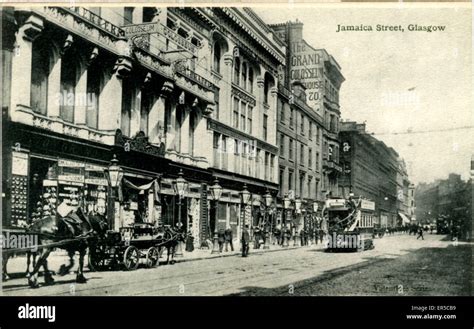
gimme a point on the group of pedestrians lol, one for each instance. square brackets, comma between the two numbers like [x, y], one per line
[224, 238]
[282, 236]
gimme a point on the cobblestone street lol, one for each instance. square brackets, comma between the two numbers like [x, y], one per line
[298, 271]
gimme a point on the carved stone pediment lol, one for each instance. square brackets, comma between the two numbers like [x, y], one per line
[138, 143]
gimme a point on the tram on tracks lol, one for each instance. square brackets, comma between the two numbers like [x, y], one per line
[350, 224]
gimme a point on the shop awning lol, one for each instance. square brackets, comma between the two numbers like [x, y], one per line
[405, 219]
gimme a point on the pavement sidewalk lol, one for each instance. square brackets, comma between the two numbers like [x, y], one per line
[17, 265]
[200, 254]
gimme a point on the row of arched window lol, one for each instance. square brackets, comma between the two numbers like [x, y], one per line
[44, 57]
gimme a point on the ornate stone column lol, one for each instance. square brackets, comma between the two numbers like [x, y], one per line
[225, 89]
[110, 100]
[260, 109]
[21, 66]
[272, 116]
[156, 116]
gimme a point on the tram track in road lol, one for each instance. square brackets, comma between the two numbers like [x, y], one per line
[229, 281]
[222, 276]
[211, 271]
[186, 279]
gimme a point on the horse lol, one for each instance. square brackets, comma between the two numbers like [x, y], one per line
[170, 239]
[76, 227]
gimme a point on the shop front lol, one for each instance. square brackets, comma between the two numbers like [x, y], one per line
[42, 171]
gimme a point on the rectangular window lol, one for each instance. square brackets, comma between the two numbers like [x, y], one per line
[215, 147]
[290, 180]
[302, 154]
[281, 110]
[310, 131]
[267, 160]
[223, 148]
[265, 127]
[280, 179]
[249, 119]
[236, 156]
[292, 117]
[215, 113]
[272, 167]
[128, 15]
[310, 187]
[282, 144]
[302, 185]
[236, 114]
[302, 124]
[317, 135]
[290, 150]
[317, 161]
[68, 87]
[257, 164]
[310, 158]
[93, 94]
[148, 14]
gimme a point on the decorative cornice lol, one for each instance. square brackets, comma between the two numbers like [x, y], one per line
[233, 13]
[243, 95]
[32, 27]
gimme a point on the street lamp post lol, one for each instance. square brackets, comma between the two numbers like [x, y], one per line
[297, 211]
[286, 206]
[180, 187]
[315, 214]
[268, 202]
[244, 199]
[113, 174]
[216, 192]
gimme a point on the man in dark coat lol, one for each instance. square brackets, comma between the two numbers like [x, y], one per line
[420, 233]
[221, 238]
[228, 239]
[257, 236]
[245, 241]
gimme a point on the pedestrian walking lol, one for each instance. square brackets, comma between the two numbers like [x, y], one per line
[228, 239]
[257, 237]
[277, 234]
[420, 233]
[221, 238]
[302, 233]
[245, 241]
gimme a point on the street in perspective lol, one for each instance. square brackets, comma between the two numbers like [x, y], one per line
[236, 151]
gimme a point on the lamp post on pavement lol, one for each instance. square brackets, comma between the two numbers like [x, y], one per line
[114, 175]
[286, 206]
[315, 216]
[180, 187]
[216, 192]
[297, 211]
[244, 199]
[268, 202]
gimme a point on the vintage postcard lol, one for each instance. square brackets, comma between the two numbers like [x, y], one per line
[237, 149]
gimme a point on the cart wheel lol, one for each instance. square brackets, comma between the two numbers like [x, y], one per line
[131, 258]
[97, 259]
[152, 257]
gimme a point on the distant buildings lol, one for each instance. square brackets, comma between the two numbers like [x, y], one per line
[375, 171]
[448, 200]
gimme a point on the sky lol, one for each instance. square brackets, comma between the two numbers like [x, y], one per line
[412, 89]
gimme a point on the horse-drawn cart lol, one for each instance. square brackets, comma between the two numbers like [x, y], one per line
[130, 245]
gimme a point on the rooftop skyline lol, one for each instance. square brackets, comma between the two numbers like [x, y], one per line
[413, 89]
